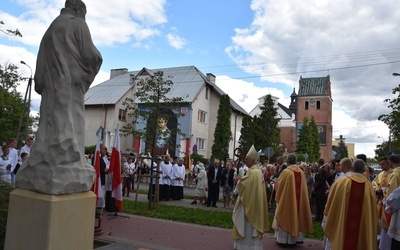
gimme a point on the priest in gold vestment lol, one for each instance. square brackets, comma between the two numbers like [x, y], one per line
[351, 212]
[393, 182]
[250, 215]
[293, 213]
[380, 184]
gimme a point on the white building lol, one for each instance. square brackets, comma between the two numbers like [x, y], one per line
[104, 107]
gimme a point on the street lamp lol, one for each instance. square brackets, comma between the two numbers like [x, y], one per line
[27, 103]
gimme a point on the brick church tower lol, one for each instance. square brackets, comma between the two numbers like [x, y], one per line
[315, 99]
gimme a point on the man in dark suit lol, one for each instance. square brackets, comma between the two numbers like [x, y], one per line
[281, 165]
[214, 175]
[320, 188]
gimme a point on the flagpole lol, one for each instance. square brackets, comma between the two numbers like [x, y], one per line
[97, 189]
[115, 178]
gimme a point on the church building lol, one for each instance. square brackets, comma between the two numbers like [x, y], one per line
[313, 99]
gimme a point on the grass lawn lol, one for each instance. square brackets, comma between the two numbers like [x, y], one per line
[198, 216]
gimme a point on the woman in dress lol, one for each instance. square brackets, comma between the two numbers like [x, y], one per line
[201, 179]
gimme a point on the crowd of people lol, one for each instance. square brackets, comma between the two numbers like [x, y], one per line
[357, 208]
[11, 159]
[169, 172]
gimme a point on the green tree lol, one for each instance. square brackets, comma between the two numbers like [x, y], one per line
[11, 103]
[382, 150]
[246, 139]
[303, 140]
[198, 157]
[341, 150]
[308, 140]
[392, 120]
[152, 107]
[267, 127]
[222, 133]
[301, 157]
[315, 144]
[149, 106]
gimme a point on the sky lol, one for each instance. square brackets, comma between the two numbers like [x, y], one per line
[253, 48]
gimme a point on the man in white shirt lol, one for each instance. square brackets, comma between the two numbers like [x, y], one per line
[345, 166]
[154, 172]
[128, 170]
[177, 180]
[5, 166]
[165, 180]
[13, 157]
[27, 147]
[338, 171]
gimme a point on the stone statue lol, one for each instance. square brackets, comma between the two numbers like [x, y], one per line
[67, 64]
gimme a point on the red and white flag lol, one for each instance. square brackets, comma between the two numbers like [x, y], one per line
[115, 170]
[96, 188]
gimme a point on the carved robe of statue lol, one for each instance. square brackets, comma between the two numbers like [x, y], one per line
[67, 64]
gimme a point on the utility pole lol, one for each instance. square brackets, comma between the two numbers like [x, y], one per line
[27, 103]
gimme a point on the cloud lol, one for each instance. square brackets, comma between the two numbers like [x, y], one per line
[176, 41]
[244, 97]
[102, 76]
[123, 21]
[365, 134]
[245, 93]
[287, 37]
[111, 23]
[354, 42]
[14, 55]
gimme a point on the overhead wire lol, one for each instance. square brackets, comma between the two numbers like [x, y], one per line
[353, 60]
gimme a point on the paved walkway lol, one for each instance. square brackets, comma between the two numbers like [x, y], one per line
[137, 232]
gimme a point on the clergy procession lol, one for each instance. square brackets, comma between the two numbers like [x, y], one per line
[356, 210]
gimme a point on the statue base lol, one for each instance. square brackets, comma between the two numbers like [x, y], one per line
[41, 221]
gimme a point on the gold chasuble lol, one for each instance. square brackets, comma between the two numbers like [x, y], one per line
[381, 182]
[393, 183]
[252, 196]
[351, 214]
[293, 213]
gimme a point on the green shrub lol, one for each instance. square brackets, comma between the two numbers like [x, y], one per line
[90, 149]
[196, 157]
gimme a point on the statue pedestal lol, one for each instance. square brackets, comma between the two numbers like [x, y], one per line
[42, 221]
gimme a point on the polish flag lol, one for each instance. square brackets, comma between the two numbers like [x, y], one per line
[115, 170]
[96, 188]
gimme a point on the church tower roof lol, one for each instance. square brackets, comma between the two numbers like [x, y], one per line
[315, 86]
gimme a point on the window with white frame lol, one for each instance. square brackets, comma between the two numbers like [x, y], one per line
[201, 116]
[201, 143]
